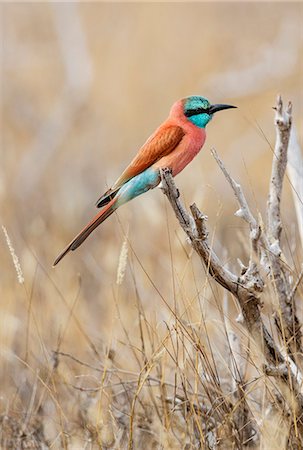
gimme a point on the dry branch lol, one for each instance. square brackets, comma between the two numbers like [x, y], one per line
[248, 287]
[259, 241]
[290, 324]
[266, 243]
[283, 119]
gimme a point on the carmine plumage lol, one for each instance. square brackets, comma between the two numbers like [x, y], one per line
[174, 144]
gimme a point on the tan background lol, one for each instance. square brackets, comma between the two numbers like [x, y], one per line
[82, 87]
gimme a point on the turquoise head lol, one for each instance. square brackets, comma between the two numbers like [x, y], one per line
[199, 111]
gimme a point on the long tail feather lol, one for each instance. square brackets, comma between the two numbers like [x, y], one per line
[80, 238]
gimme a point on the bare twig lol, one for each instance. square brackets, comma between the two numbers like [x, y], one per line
[246, 288]
[266, 243]
[244, 211]
[283, 121]
[259, 241]
[290, 326]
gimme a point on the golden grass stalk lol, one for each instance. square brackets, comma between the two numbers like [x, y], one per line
[122, 262]
[15, 258]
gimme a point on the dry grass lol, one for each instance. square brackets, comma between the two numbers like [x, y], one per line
[128, 342]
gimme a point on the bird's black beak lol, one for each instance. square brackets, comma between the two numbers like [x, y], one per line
[215, 108]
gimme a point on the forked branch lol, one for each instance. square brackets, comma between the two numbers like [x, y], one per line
[267, 242]
[248, 287]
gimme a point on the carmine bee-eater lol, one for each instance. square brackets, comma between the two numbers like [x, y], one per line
[173, 145]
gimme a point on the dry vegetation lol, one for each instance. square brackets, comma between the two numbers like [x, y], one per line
[130, 343]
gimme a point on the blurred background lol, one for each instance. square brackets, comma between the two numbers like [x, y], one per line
[83, 85]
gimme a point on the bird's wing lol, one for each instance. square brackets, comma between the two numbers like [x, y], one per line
[161, 143]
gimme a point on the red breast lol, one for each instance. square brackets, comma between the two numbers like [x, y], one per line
[190, 145]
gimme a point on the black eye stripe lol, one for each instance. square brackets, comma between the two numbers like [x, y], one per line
[196, 111]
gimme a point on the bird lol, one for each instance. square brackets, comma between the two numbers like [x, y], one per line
[173, 145]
